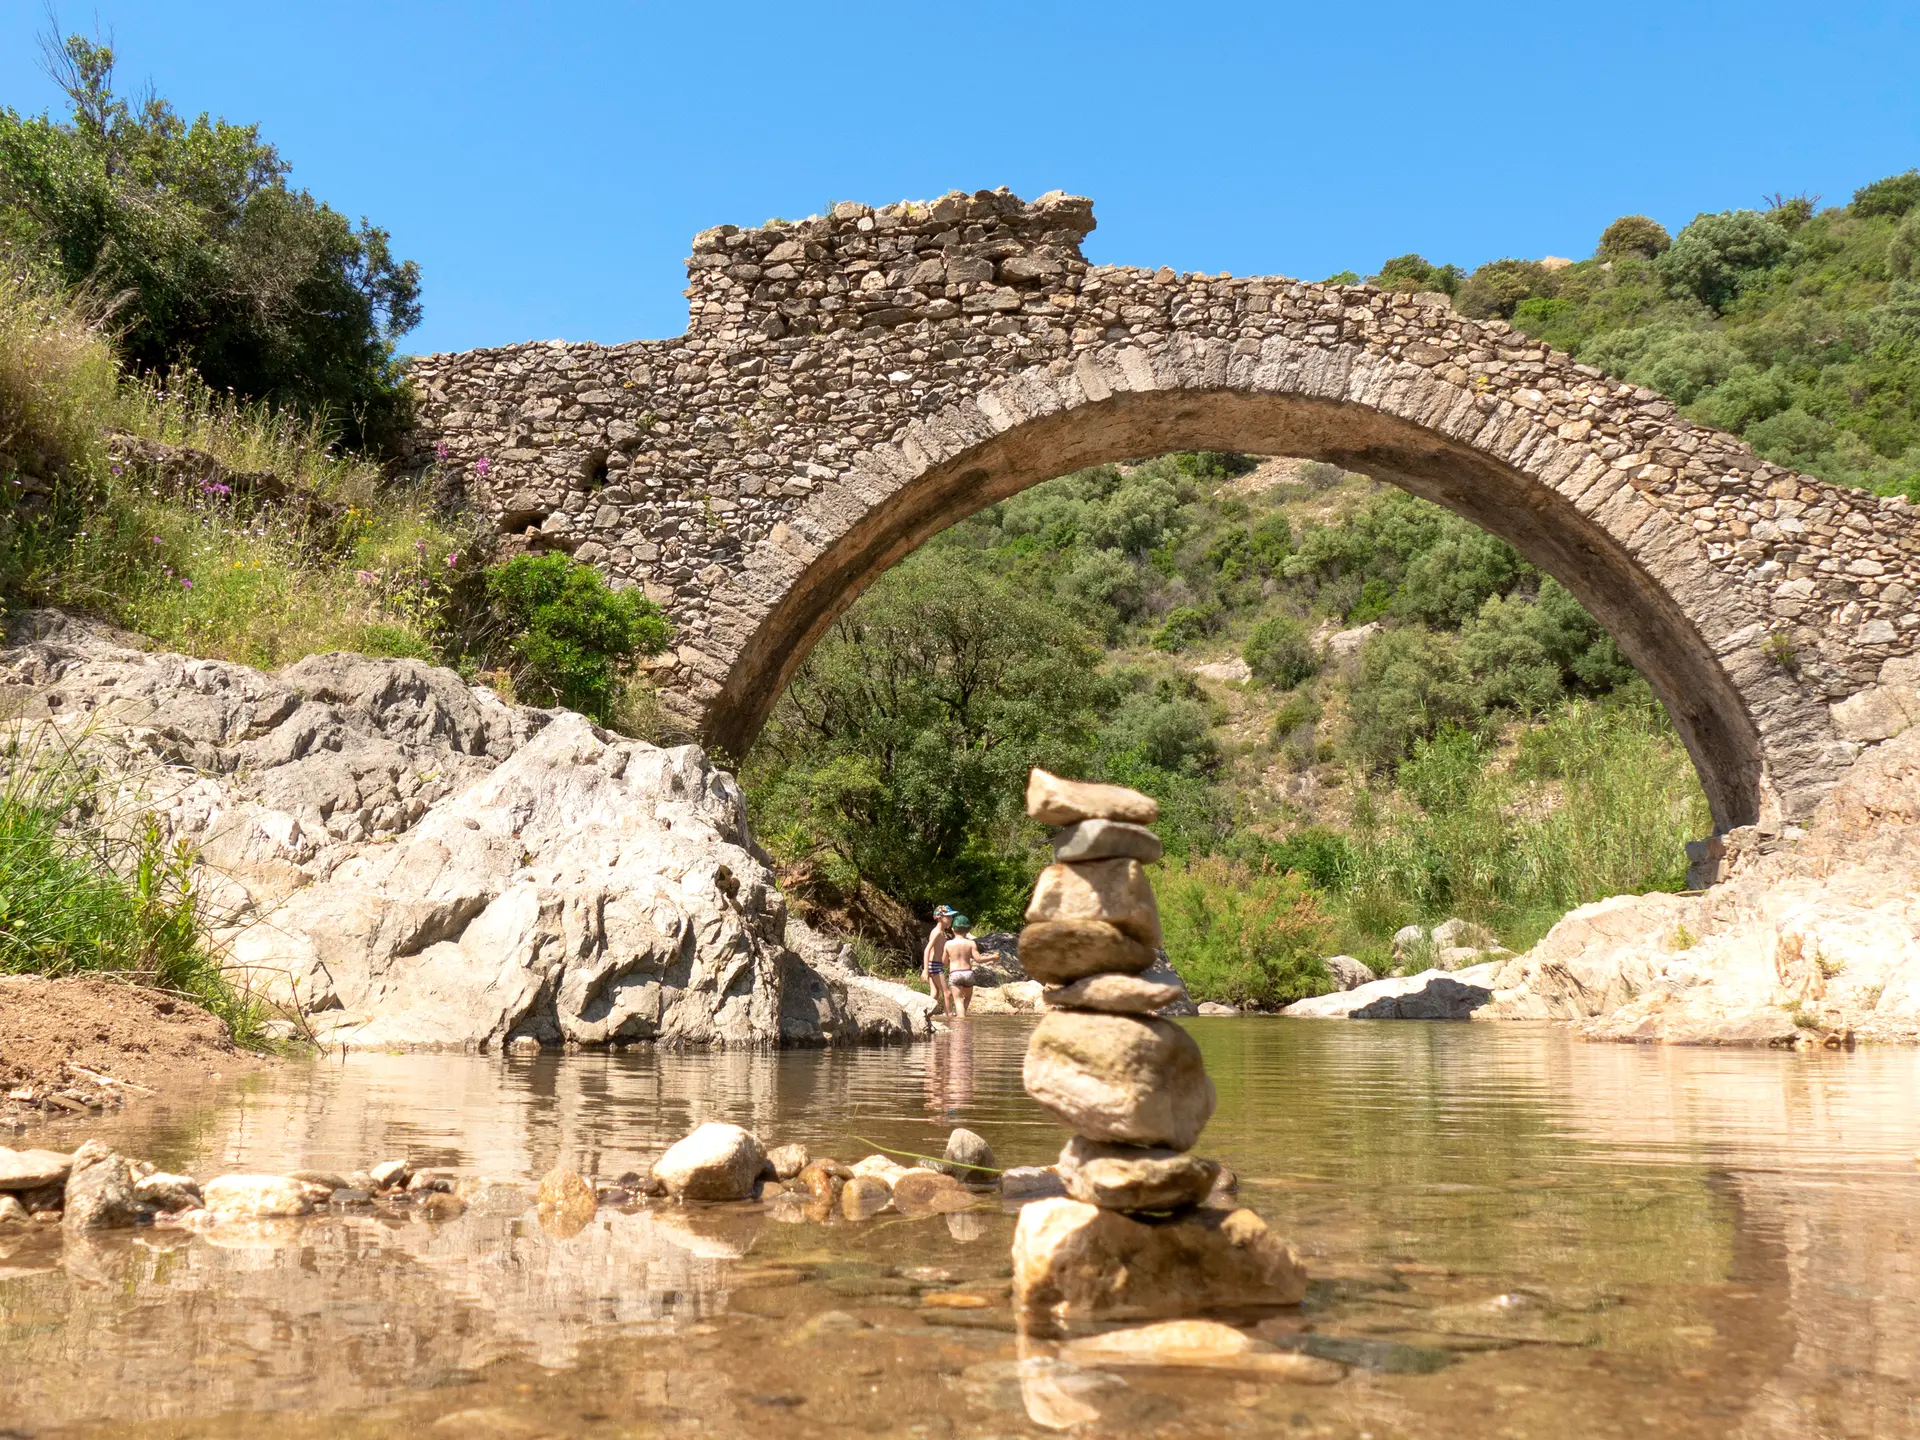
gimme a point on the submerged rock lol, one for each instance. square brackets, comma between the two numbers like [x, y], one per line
[260, 1197]
[928, 1192]
[164, 1191]
[1120, 1078]
[968, 1157]
[565, 1202]
[1073, 1261]
[716, 1162]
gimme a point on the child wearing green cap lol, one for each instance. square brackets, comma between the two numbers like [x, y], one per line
[960, 953]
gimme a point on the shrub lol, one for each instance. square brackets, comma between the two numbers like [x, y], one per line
[1903, 250]
[1634, 236]
[1184, 625]
[1895, 195]
[1713, 257]
[1243, 935]
[572, 637]
[1279, 653]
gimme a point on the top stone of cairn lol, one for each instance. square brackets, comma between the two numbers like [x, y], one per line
[1053, 801]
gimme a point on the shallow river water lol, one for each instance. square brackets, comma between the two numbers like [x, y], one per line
[1511, 1233]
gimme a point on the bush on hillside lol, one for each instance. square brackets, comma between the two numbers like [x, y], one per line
[1717, 254]
[572, 636]
[1498, 287]
[1895, 195]
[206, 255]
[1634, 237]
[1279, 653]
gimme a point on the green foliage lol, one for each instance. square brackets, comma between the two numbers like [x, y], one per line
[1184, 625]
[1895, 195]
[1412, 274]
[1634, 237]
[573, 637]
[1718, 254]
[1243, 935]
[1279, 653]
[898, 756]
[1498, 287]
[88, 889]
[210, 259]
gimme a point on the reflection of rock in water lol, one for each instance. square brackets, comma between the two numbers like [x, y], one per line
[355, 1311]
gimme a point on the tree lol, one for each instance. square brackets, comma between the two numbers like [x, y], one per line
[1714, 256]
[1498, 287]
[207, 257]
[899, 754]
[1634, 237]
[1895, 195]
[1412, 274]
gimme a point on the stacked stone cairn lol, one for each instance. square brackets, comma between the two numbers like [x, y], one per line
[1137, 1234]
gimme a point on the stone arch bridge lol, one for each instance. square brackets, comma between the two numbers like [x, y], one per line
[852, 384]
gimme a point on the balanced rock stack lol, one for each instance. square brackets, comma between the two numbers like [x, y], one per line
[1131, 1086]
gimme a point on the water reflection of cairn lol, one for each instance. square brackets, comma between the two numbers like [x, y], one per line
[1137, 1236]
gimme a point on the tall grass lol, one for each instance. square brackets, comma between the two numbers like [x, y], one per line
[213, 574]
[1600, 800]
[89, 885]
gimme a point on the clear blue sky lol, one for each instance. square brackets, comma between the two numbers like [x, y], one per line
[547, 164]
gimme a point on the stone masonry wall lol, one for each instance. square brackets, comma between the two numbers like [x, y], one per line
[832, 364]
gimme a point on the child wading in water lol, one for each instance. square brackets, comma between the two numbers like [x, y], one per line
[932, 959]
[960, 954]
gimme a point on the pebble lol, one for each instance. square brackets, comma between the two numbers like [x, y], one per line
[968, 1157]
[30, 1169]
[864, 1197]
[258, 1197]
[787, 1161]
[389, 1174]
[928, 1192]
[99, 1190]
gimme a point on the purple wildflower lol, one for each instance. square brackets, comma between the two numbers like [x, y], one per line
[453, 558]
[365, 577]
[214, 487]
[155, 539]
[185, 584]
[440, 452]
[482, 465]
[116, 469]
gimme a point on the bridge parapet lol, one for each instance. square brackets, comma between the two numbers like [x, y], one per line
[852, 383]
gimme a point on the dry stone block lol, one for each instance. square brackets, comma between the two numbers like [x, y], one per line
[1054, 801]
[1114, 891]
[1107, 840]
[1074, 1262]
[1058, 952]
[1135, 1177]
[1120, 1078]
[1114, 994]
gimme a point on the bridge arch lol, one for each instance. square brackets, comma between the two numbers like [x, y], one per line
[852, 384]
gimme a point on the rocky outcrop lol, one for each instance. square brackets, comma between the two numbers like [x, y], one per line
[405, 859]
[1813, 940]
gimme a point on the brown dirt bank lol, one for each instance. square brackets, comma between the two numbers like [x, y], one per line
[58, 1038]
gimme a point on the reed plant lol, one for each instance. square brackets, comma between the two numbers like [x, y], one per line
[1243, 934]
